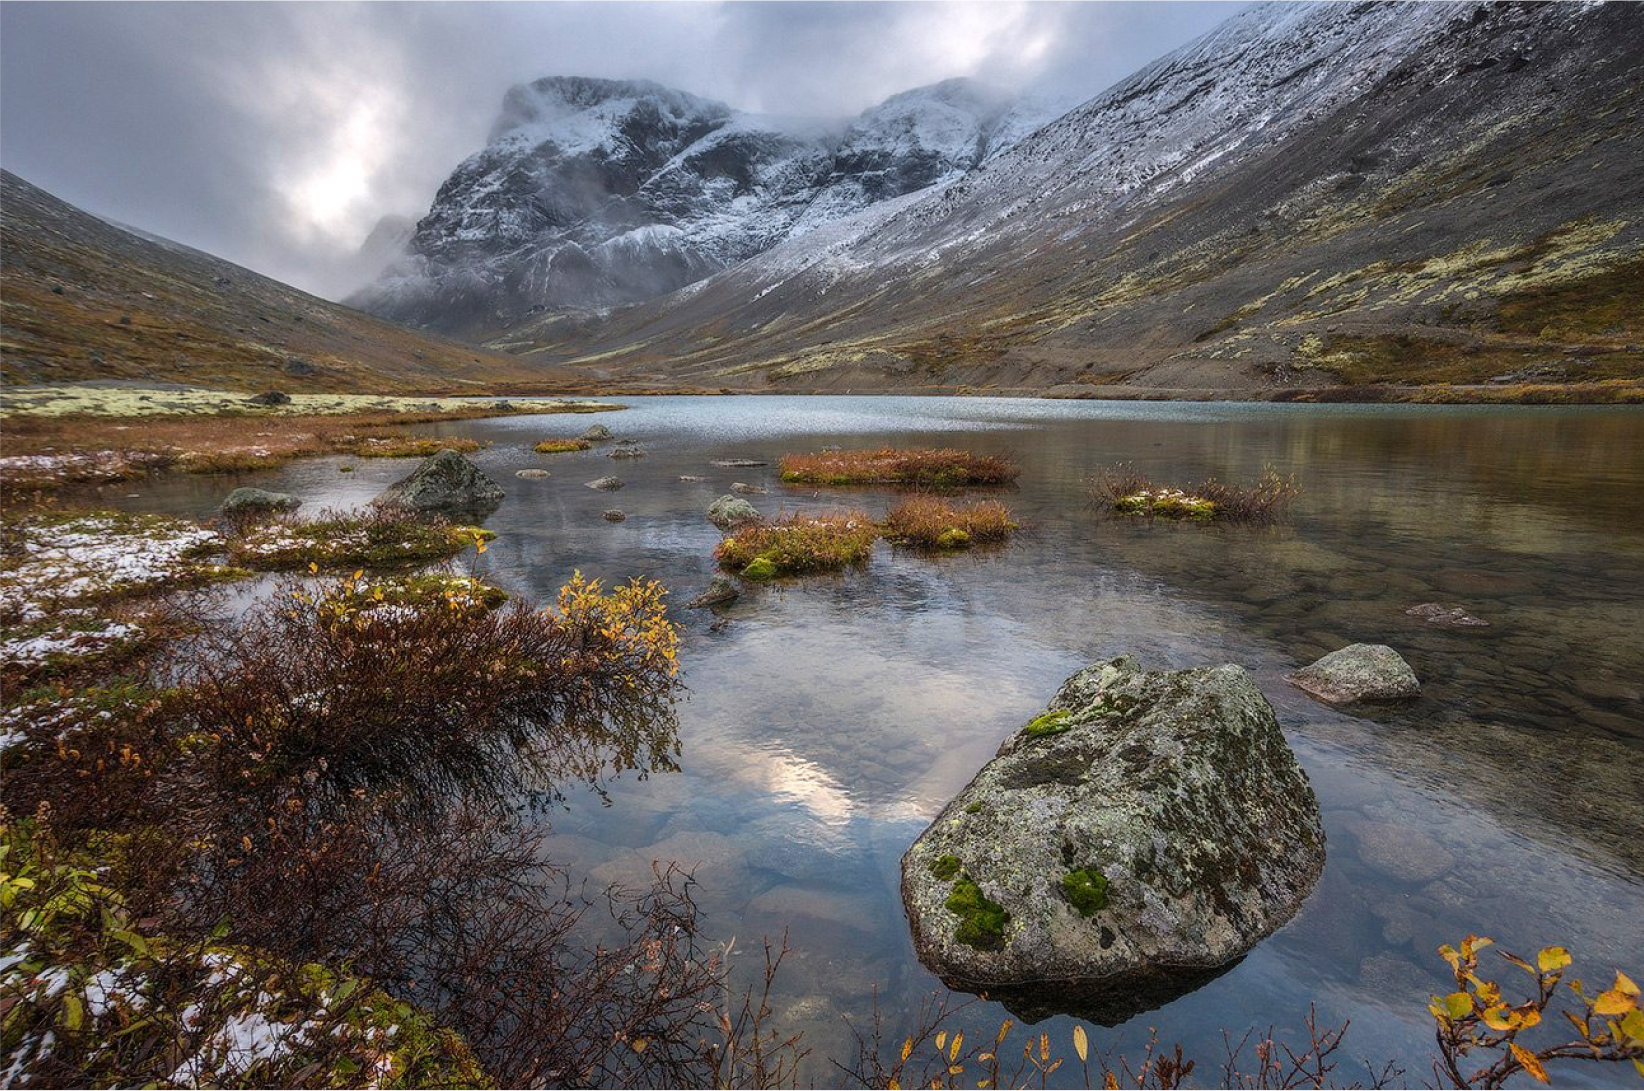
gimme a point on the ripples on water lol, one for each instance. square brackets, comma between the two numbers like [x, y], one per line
[834, 716]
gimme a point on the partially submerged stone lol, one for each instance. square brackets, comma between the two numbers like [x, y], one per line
[532, 475]
[1447, 617]
[446, 483]
[606, 484]
[614, 515]
[1137, 838]
[595, 433]
[737, 463]
[1358, 672]
[626, 450]
[721, 590]
[746, 489]
[732, 511]
[251, 501]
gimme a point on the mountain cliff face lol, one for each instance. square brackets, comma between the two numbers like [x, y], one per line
[1309, 196]
[599, 192]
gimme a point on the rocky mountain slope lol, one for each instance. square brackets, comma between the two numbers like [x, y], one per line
[82, 299]
[599, 192]
[1310, 196]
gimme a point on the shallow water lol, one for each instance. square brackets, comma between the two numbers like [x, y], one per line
[832, 718]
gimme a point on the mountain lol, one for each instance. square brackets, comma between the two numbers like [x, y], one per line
[83, 299]
[593, 193]
[1309, 196]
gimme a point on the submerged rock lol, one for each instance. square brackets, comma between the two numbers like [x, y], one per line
[626, 450]
[608, 484]
[250, 501]
[721, 589]
[691, 477]
[532, 475]
[1448, 617]
[446, 483]
[747, 490]
[736, 463]
[732, 511]
[595, 433]
[1134, 840]
[1358, 672]
[614, 515]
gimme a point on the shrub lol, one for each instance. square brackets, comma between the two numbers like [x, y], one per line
[378, 538]
[411, 446]
[1122, 490]
[560, 446]
[929, 522]
[929, 468]
[798, 543]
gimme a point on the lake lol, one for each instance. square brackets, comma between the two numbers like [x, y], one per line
[833, 716]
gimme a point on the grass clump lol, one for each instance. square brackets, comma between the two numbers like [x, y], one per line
[929, 522]
[1051, 723]
[1124, 491]
[981, 921]
[795, 544]
[947, 867]
[412, 446]
[1086, 890]
[926, 467]
[561, 446]
[381, 538]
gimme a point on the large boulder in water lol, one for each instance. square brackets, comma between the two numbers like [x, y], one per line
[446, 484]
[1128, 844]
[732, 511]
[246, 501]
[1358, 672]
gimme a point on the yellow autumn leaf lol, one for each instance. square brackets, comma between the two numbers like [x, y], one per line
[1004, 1029]
[1613, 1002]
[1623, 983]
[1552, 958]
[639, 1045]
[1496, 1018]
[907, 1049]
[893, 1085]
[953, 1050]
[1529, 1061]
[1457, 1005]
[1080, 1045]
[941, 1039]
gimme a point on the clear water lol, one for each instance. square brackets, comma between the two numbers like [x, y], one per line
[832, 717]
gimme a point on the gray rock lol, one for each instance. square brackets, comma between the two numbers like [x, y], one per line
[721, 589]
[732, 511]
[614, 515]
[1358, 672]
[608, 484]
[691, 477]
[448, 484]
[249, 501]
[270, 397]
[1130, 843]
[533, 475]
[1448, 617]
[747, 490]
[1401, 852]
[736, 463]
[626, 450]
[595, 433]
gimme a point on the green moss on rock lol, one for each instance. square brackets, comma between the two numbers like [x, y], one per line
[946, 867]
[1086, 890]
[1051, 723]
[981, 921]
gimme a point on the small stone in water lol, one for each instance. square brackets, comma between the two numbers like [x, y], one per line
[614, 515]
[1450, 617]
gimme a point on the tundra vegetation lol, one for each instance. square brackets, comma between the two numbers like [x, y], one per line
[1124, 491]
[943, 468]
[375, 538]
[929, 522]
[561, 446]
[799, 543]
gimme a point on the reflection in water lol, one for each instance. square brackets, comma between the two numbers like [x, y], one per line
[834, 716]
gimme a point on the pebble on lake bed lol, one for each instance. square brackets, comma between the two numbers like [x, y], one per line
[1358, 672]
[1447, 617]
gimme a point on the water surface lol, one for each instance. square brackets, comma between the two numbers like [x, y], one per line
[832, 717]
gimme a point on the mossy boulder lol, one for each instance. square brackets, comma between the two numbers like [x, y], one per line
[1358, 672]
[732, 511]
[445, 483]
[1135, 839]
[250, 501]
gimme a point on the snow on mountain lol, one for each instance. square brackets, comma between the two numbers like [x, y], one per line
[597, 192]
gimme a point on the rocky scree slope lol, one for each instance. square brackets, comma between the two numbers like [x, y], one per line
[1309, 196]
[597, 192]
[81, 299]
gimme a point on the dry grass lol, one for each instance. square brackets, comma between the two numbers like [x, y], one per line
[412, 446]
[561, 446]
[929, 522]
[925, 467]
[379, 538]
[1123, 490]
[798, 543]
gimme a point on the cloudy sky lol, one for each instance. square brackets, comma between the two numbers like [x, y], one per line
[276, 134]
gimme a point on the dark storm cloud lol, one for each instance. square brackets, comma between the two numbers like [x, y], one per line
[276, 135]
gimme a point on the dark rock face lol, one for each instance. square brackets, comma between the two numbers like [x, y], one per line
[446, 484]
[1138, 837]
[270, 397]
[598, 192]
[1358, 672]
